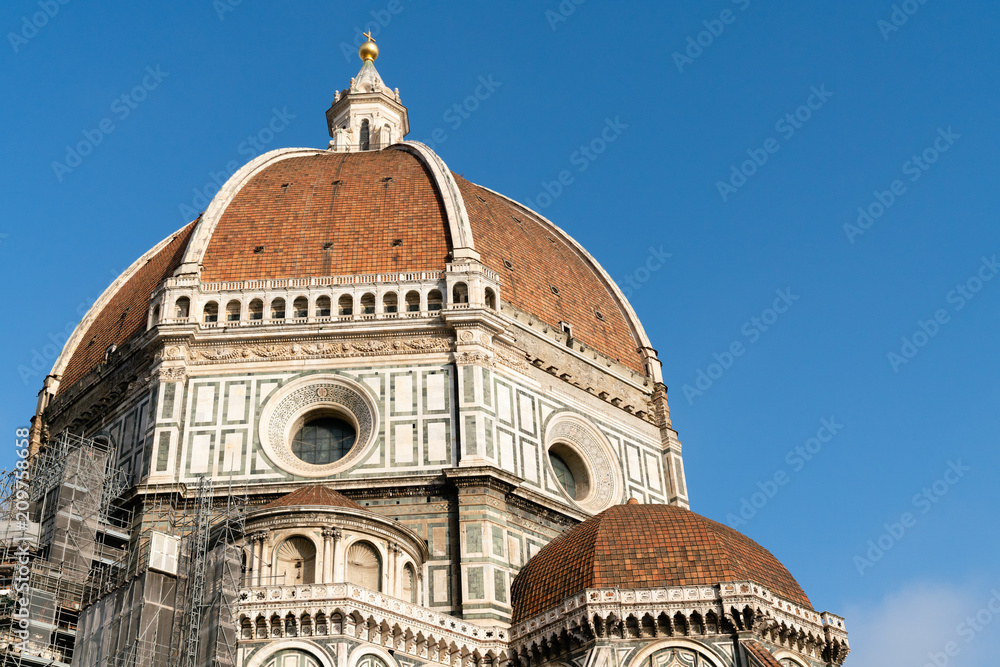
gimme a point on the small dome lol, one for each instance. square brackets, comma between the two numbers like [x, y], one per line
[646, 546]
[314, 496]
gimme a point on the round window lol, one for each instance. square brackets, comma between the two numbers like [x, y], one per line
[563, 475]
[570, 471]
[582, 466]
[324, 440]
[319, 425]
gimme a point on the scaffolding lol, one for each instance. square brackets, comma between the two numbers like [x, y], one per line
[60, 518]
[199, 571]
[130, 609]
[152, 583]
[230, 531]
[143, 611]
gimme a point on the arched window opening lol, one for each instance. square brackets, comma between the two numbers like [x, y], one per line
[434, 300]
[491, 299]
[256, 310]
[182, 308]
[306, 626]
[300, 307]
[210, 313]
[275, 625]
[413, 302]
[364, 566]
[386, 136]
[345, 306]
[409, 584]
[155, 316]
[296, 562]
[390, 303]
[278, 309]
[368, 304]
[292, 658]
[365, 141]
[460, 293]
[323, 306]
[233, 309]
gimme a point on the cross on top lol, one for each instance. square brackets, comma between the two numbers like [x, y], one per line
[369, 36]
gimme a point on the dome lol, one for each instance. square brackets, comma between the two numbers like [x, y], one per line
[306, 214]
[314, 496]
[646, 546]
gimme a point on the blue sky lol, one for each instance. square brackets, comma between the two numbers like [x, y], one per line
[748, 135]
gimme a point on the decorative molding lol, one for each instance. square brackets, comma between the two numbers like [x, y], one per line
[353, 601]
[172, 374]
[312, 392]
[726, 609]
[602, 383]
[217, 354]
[511, 357]
[606, 482]
[312, 648]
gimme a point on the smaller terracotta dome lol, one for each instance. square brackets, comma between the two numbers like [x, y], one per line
[314, 496]
[646, 546]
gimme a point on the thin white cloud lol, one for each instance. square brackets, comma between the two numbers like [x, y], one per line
[913, 626]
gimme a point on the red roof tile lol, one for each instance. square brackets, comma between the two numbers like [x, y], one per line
[541, 259]
[378, 211]
[762, 655]
[296, 206]
[314, 496]
[646, 546]
[126, 314]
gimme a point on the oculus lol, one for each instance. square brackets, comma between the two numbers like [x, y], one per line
[319, 425]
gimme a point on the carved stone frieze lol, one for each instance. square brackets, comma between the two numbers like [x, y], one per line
[511, 357]
[495, 355]
[474, 359]
[323, 350]
[172, 374]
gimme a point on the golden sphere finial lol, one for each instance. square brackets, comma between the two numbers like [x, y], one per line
[368, 50]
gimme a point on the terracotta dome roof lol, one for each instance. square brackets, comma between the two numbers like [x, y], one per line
[541, 258]
[124, 313]
[646, 546]
[382, 211]
[378, 209]
[309, 213]
[314, 496]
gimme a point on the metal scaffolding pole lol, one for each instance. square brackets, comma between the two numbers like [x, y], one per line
[199, 571]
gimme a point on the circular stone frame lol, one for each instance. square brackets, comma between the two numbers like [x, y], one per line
[317, 395]
[590, 457]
